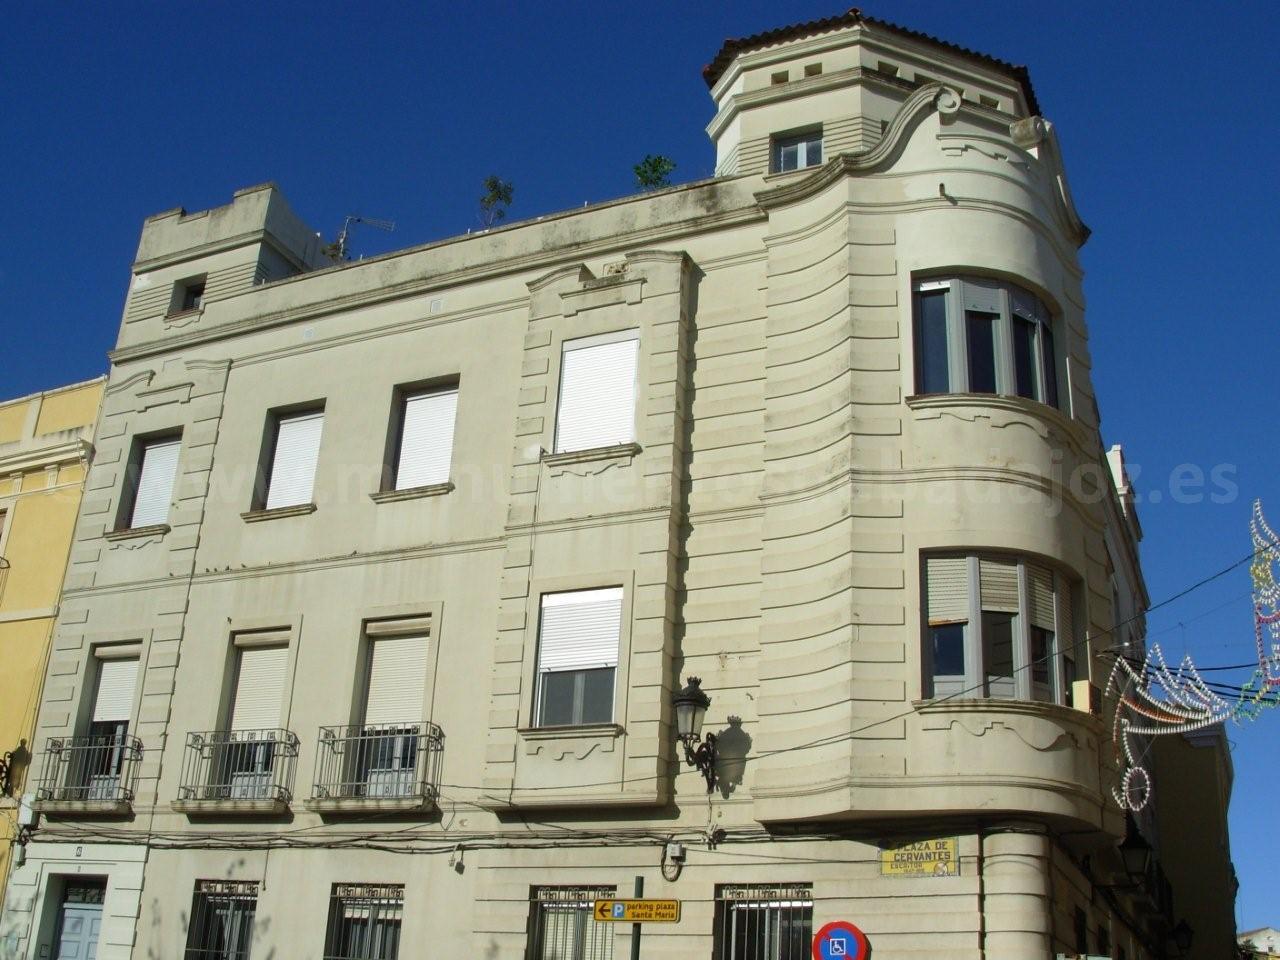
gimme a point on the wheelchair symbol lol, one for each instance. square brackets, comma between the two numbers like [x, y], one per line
[839, 947]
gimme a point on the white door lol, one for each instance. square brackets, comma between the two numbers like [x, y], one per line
[78, 926]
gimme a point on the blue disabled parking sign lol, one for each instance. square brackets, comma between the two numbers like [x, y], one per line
[841, 939]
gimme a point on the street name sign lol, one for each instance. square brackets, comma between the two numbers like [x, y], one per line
[637, 911]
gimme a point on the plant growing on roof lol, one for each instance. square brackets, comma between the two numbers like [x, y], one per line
[654, 172]
[498, 194]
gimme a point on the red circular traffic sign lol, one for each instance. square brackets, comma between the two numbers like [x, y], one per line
[840, 939]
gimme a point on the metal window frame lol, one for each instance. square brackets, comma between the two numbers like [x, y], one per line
[385, 903]
[975, 679]
[769, 905]
[240, 900]
[957, 342]
[590, 940]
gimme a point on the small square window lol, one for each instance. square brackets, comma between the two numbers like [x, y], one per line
[780, 77]
[812, 69]
[797, 151]
[187, 295]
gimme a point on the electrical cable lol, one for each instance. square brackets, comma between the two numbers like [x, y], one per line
[813, 744]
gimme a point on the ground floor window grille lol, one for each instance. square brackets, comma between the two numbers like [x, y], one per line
[222, 914]
[764, 921]
[562, 925]
[364, 922]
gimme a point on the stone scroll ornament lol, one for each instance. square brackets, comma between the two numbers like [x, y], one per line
[1152, 699]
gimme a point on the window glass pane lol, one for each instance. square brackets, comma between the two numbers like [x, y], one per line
[1024, 357]
[980, 333]
[558, 694]
[997, 652]
[788, 156]
[948, 650]
[931, 342]
[1050, 365]
[597, 696]
[813, 155]
[1041, 650]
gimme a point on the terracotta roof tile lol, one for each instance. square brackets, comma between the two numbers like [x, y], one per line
[734, 46]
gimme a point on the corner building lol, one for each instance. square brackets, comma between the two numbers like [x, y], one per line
[389, 666]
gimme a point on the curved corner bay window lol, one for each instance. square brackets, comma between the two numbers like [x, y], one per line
[997, 627]
[984, 336]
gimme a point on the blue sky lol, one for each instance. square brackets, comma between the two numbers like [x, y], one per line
[112, 112]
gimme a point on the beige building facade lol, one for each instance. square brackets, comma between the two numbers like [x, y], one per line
[46, 444]
[389, 571]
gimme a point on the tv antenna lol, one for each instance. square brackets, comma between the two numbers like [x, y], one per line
[340, 245]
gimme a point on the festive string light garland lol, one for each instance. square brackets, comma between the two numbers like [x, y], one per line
[1153, 700]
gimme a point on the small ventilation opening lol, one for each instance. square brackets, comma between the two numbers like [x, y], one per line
[812, 69]
[780, 77]
[888, 69]
[986, 101]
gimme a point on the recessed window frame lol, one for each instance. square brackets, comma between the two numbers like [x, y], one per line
[188, 295]
[270, 441]
[761, 921]
[581, 675]
[223, 913]
[986, 328]
[567, 347]
[562, 923]
[364, 921]
[1024, 677]
[808, 150]
[403, 395]
[135, 472]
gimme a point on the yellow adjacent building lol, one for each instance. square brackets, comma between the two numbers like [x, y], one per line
[45, 443]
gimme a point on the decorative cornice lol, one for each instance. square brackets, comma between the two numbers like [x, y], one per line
[28, 458]
[945, 99]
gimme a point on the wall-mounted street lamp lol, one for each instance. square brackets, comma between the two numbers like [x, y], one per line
[691, 707]
[1136, 853]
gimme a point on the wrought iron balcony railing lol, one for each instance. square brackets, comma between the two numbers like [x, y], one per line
[239, 765]
[91, 769]
[383, 762]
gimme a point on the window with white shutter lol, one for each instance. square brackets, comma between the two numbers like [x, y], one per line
[293, 460]
[397, 675]
[992, 626]
[259, 692]
[113, 701]
[597, 392]
[426, 438]
[155, 468]
[578, 656]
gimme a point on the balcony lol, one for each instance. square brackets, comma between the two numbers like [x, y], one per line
[89, 775]
[237, 772]
[385, 767]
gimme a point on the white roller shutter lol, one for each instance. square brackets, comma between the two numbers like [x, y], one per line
[116, 681]
[580, 629]
[947, 579]
[397, 672]
[597, 394]
[426, 438]
[999, 583]
[259, 688]
[154, 490]
[293, 465]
